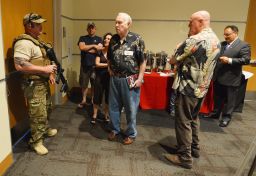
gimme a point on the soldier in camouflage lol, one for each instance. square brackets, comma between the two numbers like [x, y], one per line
[30, 58]
[195, 64]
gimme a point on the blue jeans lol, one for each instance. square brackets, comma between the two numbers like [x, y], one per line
[121, 96]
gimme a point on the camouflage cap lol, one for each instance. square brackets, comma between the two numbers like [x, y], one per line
[33, 17]
[91, 24]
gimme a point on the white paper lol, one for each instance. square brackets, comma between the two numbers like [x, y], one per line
[166, 74]
[247, 74]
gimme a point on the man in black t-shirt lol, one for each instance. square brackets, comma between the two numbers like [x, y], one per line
[89, 46]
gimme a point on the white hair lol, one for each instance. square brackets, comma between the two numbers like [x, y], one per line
[203, 14]
[126, 16]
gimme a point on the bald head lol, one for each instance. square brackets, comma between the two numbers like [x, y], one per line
[198, 21]
[202, 15]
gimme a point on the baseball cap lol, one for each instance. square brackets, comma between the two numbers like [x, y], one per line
[33, 17]
[91, 24]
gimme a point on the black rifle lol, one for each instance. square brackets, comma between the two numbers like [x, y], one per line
[59, 74]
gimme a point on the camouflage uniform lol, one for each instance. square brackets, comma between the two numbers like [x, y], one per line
[36, 87]
[195, 63]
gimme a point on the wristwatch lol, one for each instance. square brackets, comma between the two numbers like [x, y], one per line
[141, 80]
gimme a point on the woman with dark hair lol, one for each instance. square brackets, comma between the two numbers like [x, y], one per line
[101, 85]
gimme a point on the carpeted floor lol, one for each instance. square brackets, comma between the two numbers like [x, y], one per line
[80, 149]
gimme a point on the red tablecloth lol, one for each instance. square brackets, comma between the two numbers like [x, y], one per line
[208, 103]
[156, 91]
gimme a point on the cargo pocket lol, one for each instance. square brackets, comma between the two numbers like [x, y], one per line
[37, 104]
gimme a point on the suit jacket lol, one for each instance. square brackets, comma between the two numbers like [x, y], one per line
[231, 74]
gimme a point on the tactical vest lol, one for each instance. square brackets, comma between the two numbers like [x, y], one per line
[41, 61]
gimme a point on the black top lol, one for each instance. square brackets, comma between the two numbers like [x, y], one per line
[126, 58]
[102, 71]
[88, 59]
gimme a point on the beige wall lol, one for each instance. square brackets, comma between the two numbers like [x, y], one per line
[228, 10]
[70, 64]
[162, 23]
[5, 144]
[68, 44]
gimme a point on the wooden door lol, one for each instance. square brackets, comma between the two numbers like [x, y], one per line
[13, 12]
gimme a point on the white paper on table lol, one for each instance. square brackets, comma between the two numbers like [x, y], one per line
[247, 74]
[166, 74]
[147, 72]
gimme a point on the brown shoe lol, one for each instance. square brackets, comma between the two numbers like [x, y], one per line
[112, 136]
[175, 159]
[128, 140]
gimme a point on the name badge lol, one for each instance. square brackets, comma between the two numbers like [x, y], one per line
[128, 53]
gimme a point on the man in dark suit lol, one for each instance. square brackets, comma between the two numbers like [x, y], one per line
[228, 74]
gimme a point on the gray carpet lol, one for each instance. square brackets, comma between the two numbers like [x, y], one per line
[80, 149]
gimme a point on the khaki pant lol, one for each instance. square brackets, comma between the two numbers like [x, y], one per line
[39, 106]
[187, 125]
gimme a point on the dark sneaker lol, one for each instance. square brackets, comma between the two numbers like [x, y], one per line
[195, 153]
[224, 122]
[174, 159]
